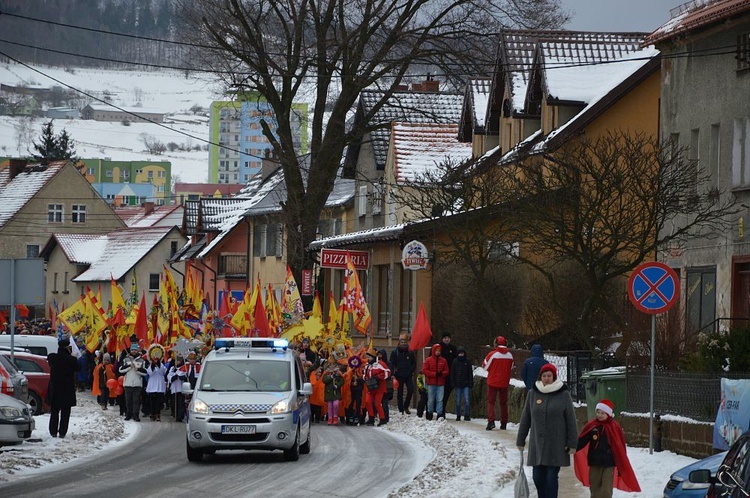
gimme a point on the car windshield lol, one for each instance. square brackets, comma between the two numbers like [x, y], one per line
[245, 375]
[12, 370]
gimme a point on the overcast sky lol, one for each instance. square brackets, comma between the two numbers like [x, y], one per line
[619, 15]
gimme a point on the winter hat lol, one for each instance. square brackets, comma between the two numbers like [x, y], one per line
[606, 406]
[64, 343]
[500, 341]
[549, 367]
[107, 358]
[460, 350]
[134, 347]
[372, 352]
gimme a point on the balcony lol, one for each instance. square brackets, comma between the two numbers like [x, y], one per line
[233, 266]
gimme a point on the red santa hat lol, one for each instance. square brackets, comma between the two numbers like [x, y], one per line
[500, 341]
[607, 407]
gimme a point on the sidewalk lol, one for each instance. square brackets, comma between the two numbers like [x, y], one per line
[569, 485]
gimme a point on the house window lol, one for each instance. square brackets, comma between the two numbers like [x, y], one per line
[377, 198]
[362, 201]
[743, 51]
[78, 213]
[150, 174]
[54, 213]
[162, 174]
[497, 250]
[172, 248]
[407, 301]
[126, 175]
[714, 153]
[279, 240]
[259, 241]
[153, 282]
[109, 173]
[384, 288]
[54, 283]
[741, 152]
[65, 284]
[32, 250]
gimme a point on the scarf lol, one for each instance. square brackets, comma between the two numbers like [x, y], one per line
[624, 477]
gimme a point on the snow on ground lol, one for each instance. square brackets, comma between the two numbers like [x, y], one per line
[455, 456]
[166, 91]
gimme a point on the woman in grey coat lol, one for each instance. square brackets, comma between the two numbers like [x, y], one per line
[550, 416]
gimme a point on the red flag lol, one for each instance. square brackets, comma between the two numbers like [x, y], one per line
[3, 318]
[261, 320]
[141, 322]
[421, 335]
[224, 306]
[22, 310]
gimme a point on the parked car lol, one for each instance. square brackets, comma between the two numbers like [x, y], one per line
[16, 421]
[13, 382]
[683, 484]
[37, 344]
[36, 370]
[733, 477]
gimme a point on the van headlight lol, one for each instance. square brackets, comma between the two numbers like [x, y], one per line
[10, 413]
[282, 406]
[200, 407]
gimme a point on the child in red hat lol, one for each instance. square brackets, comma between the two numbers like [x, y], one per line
[601, 460]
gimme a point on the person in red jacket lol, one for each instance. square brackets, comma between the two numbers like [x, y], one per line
[375, 369]
[499, 364]
[435, 369]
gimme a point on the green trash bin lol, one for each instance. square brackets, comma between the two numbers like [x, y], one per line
[609, 383]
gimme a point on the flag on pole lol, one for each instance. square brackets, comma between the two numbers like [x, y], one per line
[261, 327]
[273, 311]
[74, 317]
[117, 299]
[291, 302]
[421, 335]
[355, 298]
[141, 323]
[23, 310]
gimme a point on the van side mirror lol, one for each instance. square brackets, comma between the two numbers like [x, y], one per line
[306, 389]
[187, 389]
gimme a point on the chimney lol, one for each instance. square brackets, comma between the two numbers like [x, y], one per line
[16, 166]
[269, 164]
[148, 208]
[428, 85]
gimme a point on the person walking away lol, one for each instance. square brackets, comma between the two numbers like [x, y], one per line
[102, 373]
[388, 396]
[356, 386]
[62, 387]
[462, 378]
[375, 369]
[422, 391]
[403, 364]
[175, 377]
[449, 352]
[601, 460]
[532, 366]
[333, 381]
[498, 363]
[548, 415]
[435, 369]
[156, 387]
[133, 369]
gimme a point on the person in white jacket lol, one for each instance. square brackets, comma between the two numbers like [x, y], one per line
[134, 369]
[156, 387]
[175, 377]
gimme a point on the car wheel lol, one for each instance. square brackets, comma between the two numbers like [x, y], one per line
[292, 454]
[193, 455]
[35, 401]
[304, 448]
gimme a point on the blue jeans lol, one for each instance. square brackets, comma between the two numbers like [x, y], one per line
[545, 480]
[435, 396]
[462, 398]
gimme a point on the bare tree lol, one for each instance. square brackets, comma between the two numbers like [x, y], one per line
[589, 213]
[152, 144]
[291, 51]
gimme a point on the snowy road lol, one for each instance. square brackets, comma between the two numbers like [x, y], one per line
[154, 464]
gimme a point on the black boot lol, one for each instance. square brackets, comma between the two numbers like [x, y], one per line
[428, 415]
[490, 426]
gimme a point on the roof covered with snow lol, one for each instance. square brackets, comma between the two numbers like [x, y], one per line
[110, 255]
[391, 232]
[418, 148]
[698, 14]
[15, 192]
[132, 110]
[411, 107]
[143, 216]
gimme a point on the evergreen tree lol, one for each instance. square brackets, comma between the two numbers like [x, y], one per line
[54, 148]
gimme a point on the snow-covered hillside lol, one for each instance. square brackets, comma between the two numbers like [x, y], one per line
[170, 92]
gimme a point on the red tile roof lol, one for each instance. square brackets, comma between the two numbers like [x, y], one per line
[697, 14]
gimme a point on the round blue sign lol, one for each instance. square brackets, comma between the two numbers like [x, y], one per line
[653, 287]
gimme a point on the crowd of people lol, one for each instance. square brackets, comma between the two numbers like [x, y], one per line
[357, 390]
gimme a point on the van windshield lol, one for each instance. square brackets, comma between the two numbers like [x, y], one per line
[246, 375]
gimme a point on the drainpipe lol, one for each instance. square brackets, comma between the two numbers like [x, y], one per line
[216, 299]
[250, 235]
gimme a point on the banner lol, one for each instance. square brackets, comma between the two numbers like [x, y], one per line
[733, 417]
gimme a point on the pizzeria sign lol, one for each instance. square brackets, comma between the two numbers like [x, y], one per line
[336, 258]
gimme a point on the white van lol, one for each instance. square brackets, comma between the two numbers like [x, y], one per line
[35, 344]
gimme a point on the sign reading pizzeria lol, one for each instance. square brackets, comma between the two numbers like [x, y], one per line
[336, 258]
[415, 256]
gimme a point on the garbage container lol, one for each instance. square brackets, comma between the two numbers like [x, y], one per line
[607, 383]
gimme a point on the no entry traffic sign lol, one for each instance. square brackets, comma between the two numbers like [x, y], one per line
[653, 287]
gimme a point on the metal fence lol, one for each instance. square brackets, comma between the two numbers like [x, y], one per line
[692, 395]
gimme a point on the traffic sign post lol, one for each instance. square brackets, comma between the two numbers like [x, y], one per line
[653, 288]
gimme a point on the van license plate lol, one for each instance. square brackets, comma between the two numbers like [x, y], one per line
[238, 429]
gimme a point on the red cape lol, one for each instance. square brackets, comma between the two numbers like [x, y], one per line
[624, 478]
